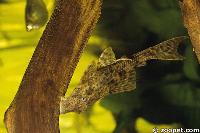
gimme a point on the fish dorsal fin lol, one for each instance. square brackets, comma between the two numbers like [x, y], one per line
[107, 57]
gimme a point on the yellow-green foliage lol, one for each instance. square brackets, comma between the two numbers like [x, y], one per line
[16, 48]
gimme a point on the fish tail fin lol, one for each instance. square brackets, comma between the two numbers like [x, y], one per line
[167, 50]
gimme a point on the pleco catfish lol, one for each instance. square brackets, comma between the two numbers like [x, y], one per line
[110, 75]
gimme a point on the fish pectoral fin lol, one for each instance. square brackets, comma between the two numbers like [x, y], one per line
[120, 76]
[89, 71]
[126, 83]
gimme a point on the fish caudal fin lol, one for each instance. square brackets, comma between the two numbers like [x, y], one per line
[167, 50]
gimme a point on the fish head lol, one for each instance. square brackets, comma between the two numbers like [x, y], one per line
[86, 93]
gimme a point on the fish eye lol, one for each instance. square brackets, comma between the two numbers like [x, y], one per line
[83, 99]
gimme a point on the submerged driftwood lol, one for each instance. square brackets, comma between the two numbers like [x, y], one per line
[36, 106]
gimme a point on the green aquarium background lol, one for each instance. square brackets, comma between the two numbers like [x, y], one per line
[167, 94]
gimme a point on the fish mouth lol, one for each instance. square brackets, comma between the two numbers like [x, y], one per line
[66, 105]
[71, 105]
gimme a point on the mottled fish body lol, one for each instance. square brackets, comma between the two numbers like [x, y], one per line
[110, 75]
